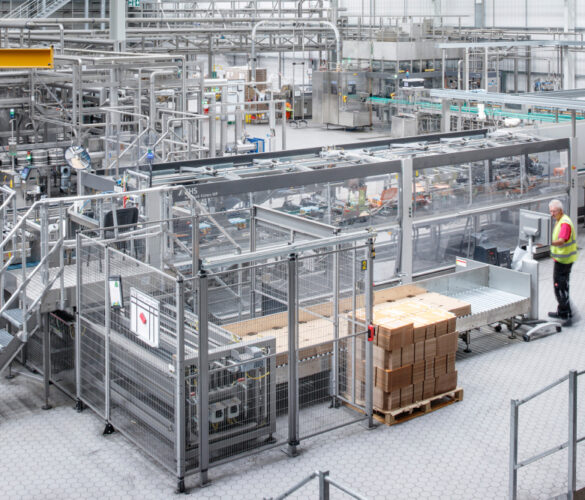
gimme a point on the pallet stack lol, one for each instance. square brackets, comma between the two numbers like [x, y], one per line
[414, 350]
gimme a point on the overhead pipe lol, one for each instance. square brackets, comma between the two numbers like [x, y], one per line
[266, 21]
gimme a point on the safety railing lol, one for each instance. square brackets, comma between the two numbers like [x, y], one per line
[570, 444]
[36, 8]
[325, 483]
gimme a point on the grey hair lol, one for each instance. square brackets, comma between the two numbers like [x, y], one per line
[555, 204]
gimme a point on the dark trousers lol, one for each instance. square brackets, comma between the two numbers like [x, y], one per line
[561, 274]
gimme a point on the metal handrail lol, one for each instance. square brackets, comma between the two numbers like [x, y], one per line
[324, 486]
[571, 443]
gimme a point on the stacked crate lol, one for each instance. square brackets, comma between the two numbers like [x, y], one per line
[414, 350]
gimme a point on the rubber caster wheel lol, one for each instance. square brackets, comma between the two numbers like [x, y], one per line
[558, 328]
[498, 328]
[526, 338]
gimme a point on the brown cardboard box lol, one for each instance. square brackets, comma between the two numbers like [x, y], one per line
[419, 332]
[428, 388]
[387, 360]
[417, 392]
[430, 331]
[419, 351]
[446, 383]
[457, 307]
[391, 380]
[440, 366]
[446, 344]
[408, 336]
[430, 348]
[452, 324]
[430, 368]
[451, 363]
[360, 370]
[441, 327]
[393, 400]
[408, 354]
[418, 372]
[406, 395]
[379, 399]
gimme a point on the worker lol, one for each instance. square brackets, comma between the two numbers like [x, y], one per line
[564, 252]
[289, 109]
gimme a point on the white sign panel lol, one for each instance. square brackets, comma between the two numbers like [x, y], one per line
[144, 317]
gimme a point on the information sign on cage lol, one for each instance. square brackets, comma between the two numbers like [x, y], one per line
[144, 317]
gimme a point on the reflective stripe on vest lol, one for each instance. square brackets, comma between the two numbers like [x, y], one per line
[567, 252]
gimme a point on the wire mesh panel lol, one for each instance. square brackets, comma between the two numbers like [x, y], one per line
[62, 335]
[92, 321]
[142, 345]
[248, 358]
[329, 284]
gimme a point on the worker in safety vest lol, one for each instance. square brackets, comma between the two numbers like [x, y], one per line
[564, 252]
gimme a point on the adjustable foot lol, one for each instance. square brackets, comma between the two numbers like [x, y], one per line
[47, 406]
[270, 439]
[79, 406]
[335, 403]
[180, 485]
[109, 429]
[292, 449]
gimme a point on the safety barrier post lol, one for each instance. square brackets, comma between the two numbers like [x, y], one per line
[203, 382]
[180, 401]
[369, 291]
[323, 485]
[293, 389]
[572, 482]
[513, 481]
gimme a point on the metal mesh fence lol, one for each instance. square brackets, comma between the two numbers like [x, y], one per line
[248, 396]
[92, 321]
[62, 335]
[142, 343]
[329, 286]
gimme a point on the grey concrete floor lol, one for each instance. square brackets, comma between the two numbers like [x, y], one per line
[458, 452]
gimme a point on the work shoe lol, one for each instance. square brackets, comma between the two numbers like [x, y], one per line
[567, 322]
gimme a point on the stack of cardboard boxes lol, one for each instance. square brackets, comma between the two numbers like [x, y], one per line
[414, 349]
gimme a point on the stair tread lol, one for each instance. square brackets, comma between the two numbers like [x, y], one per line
[14, 316]
[5, 338]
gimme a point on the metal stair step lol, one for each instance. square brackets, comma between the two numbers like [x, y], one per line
[15, 316]
[5, 339]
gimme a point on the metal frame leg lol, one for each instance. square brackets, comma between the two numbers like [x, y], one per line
[46, 359]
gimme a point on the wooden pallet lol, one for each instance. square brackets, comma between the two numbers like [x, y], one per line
[393, 417]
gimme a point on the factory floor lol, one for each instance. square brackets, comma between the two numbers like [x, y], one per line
[460, 451]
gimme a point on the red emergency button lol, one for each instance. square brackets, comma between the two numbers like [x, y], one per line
[142, 318]
[371, 333]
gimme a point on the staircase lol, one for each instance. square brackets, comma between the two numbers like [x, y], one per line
[32, 9]
[10, 346]
[22, 309]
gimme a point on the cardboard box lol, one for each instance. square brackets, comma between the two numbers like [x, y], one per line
[446, 383]
[440, 366]
[419, 332]
[451, 362]
[360, 370]
[408, 336]
[391, 380]
[430, 348]
[418, 372]
[428, 388]
[408, 355]
[419, 351]
[387, 360]
[393, 400]
[406, 394]
[417, 392]
[431, 331]
[446, 344]
[430, 368]
[379, 399]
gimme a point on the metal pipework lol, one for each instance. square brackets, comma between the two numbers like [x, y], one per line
[326, 23]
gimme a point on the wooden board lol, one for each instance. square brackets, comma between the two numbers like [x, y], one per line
[392, 417]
